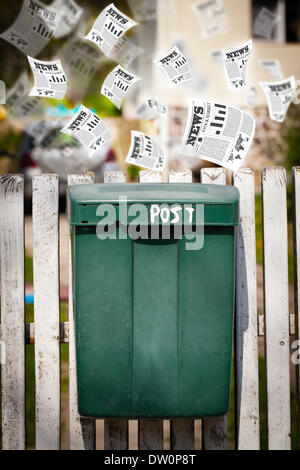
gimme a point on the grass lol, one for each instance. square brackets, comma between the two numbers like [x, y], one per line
[28, 270]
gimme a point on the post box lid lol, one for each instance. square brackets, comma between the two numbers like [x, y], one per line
[221, 202]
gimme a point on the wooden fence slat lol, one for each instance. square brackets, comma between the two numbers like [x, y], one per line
[180, 176]
[150, 431]
[276, 306]
[82, 430]
[181, 430]
[116, 434]
[182, 433]
[246, 345]
[12, 311]
[115, 431]
[150, 434]
[214, 429]
[114, 177]
[45, 217]
[296, 227]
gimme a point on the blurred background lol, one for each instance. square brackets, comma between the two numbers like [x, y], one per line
[172, 22]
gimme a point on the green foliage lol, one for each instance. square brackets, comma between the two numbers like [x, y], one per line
[291, 135]
[102, 106]
[258, 229]
[9, 141]
[28, 270]
[133, 172]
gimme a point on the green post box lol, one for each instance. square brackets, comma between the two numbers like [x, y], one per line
[153, 316]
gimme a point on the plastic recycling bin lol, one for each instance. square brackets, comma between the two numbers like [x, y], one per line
[153, 314]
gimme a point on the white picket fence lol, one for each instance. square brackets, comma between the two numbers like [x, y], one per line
[47, 332]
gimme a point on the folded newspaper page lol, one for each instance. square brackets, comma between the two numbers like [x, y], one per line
[279, 96]
[117, 83]
[212, 16]
[145, 152]
[70, 15]
[264, 23]
[251, 97]
[235, 61]
[88, 129]
[273, 67]
[33, 28]
[22, 108]
[150, 109]
[125, 52]
[81, 60]
[110, 25]
[218, 133]
[2, 92]
[175, 66]
[49, 79]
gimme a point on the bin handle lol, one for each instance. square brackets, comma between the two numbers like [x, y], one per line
[160, 241]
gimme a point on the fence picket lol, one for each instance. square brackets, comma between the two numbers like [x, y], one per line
[12, 311]
[47, 332]
[214, 429]
[82, 430]
[246, 345]
[296, 223]
[181, 430]
[276, 306]
[115, 430]
[45, 216]
[150, 431]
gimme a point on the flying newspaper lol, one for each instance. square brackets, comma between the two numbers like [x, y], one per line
[218, 133]
[110, 25]
[33, 28]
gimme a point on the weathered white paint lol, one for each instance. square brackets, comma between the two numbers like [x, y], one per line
[82, 430]
[150, 431]
[214, 429]
[296, 222]
[246, 345]
[180, 176]
[181, 430]
[292, 324]
[213, 175]
[261, 325]
[276, 306]
[45, 212]
[115, 431]
[12, 310]
[114, 177]
[30, 332]
[149, 176]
